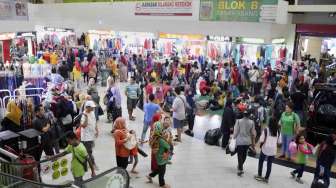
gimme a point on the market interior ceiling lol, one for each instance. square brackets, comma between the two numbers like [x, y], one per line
[120, 17]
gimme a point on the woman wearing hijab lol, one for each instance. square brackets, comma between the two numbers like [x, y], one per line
[156, 118]
[161, 153]
[12, 119]
[121, 137]
[76, 71]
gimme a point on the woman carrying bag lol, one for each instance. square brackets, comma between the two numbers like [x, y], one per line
[269, 140]
[244, 135]
[121, 137]
[289, 123]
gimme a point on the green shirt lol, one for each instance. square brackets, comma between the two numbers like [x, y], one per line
[81, 153]
[163, 148]
[132, 91]
[288, 122]
[301, 158]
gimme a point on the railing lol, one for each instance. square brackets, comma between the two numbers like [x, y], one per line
[115, 177]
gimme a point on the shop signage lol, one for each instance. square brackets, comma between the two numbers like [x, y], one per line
[250, 40]
[52, 29]
[219, 38]
[278, 41]
[13, 10]
[239, 10]
[26, 34]
[181, 36]
[164, 8]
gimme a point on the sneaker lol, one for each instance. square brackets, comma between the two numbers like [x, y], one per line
[258, 178]
[299, 180]
[240, 173]
[265, 180]
[292, 174]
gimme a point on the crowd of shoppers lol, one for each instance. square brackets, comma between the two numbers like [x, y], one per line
[256, 104]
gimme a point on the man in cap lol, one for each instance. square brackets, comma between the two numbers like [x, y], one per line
[89, 128]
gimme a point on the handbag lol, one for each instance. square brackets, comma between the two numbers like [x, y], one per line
[67, 120]
[265, 138]
[185, 121]
[100, 111]
[106, 99]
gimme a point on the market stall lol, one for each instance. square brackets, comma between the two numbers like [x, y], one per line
[219, 47]
[185, 45]
[5, 45]
[136, 42]
[49, 37]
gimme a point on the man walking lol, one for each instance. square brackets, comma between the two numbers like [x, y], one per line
[89, 128]
[132, 93]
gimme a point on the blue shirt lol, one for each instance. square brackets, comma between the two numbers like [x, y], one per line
[150, 109]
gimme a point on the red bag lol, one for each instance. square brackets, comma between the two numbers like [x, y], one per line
[78, 133]
[29, 168]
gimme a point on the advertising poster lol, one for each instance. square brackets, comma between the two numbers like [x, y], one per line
[13, 10]
[164, 8]
[239, 10]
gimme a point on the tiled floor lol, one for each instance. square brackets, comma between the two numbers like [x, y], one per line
[195, 164]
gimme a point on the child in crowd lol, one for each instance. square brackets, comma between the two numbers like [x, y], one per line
[134, 155]
[159, 96]
[303, 150]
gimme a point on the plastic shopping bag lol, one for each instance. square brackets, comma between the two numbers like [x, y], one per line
[292, 147]
[232, 145]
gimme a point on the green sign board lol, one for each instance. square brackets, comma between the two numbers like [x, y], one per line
[239, 10]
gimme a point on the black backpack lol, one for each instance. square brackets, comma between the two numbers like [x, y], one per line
[212, 136]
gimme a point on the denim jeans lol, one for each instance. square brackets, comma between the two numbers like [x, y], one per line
[144, 130]
[299, 170]
[286, 139]
[262, 158]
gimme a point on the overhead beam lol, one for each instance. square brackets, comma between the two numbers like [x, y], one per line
[312, 8]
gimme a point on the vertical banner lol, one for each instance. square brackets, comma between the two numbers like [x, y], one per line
[164, 8]
[239, 10]
[13, 10]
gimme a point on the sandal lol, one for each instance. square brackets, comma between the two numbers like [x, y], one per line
[177, 140]
[149, 179]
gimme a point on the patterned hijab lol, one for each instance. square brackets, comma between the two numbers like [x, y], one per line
[158, 128]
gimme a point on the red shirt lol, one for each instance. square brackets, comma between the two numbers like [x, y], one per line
[149, 89]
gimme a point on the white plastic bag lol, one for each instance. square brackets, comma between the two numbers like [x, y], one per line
[131, 142]
[232, 145]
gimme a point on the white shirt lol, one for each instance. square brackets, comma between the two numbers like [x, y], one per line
[179, 106]
[270, 146]
[88, 133]
[254, 75]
